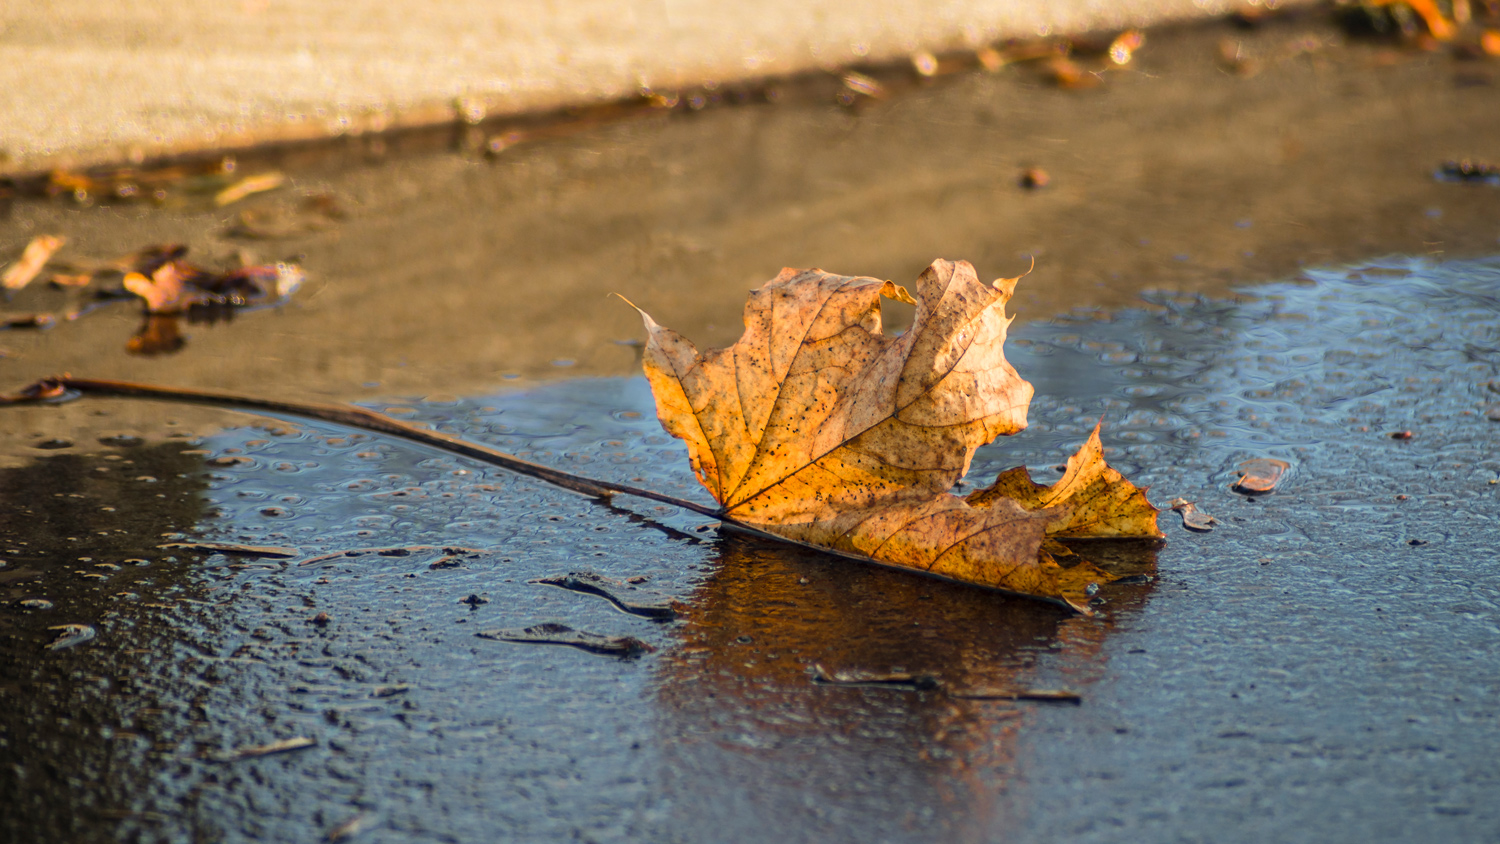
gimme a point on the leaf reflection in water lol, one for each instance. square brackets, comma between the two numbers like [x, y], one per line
[740, 701]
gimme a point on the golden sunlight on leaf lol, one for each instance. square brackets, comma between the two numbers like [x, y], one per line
[820, 428]
[1103, 504]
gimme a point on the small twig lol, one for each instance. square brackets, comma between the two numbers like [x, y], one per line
[589, 583]
[397, 551]
[1053, 695]
[50, 389]
[282, 746]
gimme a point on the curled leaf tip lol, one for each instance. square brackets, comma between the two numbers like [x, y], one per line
[1007, 286]
[894, 291]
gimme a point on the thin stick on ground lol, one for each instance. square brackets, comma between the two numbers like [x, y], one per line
[53, 389]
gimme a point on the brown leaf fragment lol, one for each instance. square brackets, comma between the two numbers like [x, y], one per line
[36, 255]
[818, 427]
[1260, 475]
[1489, 42]
[169, 285]
[1440, 27]
[1192, 517]
[552, 633]
[166, 290]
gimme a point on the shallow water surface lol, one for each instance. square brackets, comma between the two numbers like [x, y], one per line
[1319, 667]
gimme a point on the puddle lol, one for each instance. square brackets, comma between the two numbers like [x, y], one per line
[1318, 666]
[1325, 649]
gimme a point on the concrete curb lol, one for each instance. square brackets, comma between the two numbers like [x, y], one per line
[85, 84]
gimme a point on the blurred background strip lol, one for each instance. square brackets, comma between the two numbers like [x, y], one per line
[84, 83]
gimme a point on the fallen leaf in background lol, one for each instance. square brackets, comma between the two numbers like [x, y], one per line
[1260, 475]
[131, 184]
[36, 255]
[1192, 517]
[1440, 27]
[165, 291]
[171, 288]
[248, 186]
[818, 427]
[168, 284]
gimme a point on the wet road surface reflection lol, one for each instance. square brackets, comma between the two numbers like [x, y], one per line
[1326, 649]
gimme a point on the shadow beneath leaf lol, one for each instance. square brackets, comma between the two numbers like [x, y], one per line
[819, 760]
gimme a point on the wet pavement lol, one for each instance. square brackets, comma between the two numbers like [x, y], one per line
[1319, 667]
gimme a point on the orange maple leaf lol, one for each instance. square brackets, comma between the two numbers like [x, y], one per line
[818, 427]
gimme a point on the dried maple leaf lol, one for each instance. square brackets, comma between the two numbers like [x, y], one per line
[818, 427]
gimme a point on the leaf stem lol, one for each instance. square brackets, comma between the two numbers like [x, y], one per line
[54, 389]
